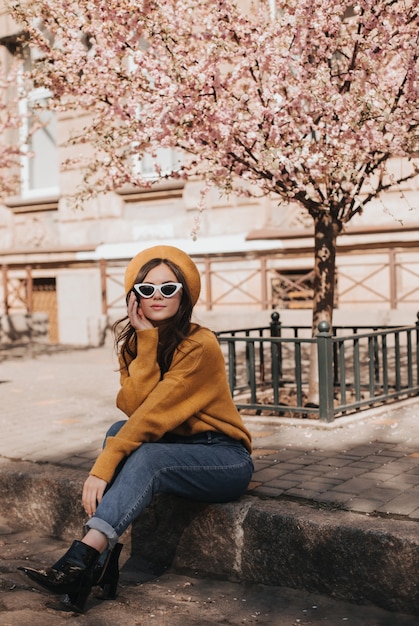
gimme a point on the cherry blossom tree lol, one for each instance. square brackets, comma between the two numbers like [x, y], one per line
[305, 100]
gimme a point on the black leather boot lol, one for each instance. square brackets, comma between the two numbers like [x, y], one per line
[105, 575]
[72, 574]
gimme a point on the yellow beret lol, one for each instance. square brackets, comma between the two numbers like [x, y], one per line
[177, 256]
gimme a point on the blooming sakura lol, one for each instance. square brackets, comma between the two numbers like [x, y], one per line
[306, 100]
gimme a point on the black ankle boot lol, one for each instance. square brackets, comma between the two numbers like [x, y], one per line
[105, 575]
[72, 574]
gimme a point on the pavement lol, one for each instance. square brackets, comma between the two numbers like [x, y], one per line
[359, 472]
[171, 600]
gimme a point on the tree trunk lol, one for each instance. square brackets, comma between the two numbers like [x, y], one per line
[326, 231]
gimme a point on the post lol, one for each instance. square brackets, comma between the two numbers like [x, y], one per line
[103, 285]
[275, 325]
[5, 289]
[208, 284]
[325, 365]
[417, 348]
[276, 349]
[263, 283]
[29, 290]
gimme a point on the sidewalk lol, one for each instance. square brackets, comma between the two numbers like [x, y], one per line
[360, 472]
[59, 407]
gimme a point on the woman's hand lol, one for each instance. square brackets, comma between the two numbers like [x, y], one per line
[135, 314]
[93, 490]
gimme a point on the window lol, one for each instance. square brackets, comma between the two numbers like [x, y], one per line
[293, 289]
[39, 170]
[166, 159]
[39, 164]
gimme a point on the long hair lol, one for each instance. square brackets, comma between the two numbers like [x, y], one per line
[171, 333]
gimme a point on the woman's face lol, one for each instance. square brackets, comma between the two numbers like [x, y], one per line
[158, 308]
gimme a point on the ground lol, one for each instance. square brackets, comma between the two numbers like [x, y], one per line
[171, 600]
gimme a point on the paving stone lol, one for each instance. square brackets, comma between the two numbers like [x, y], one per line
[401, 481]
[381, 492]
[270, 492]
[260, 464]
[322, 468]
[304, 474]
[338, 461]
[394, 453]
[282, 483]
[288, 455]
[303, 492]
[415, 514]
[290, 467]
[345, 473]
[322, 484]
[367, 463]
[356, 485]
[285, 472]
[403, 504]
[265, 475]
[385, 459]
[362, 451]
[303, 460]
[335, 497]
[363, 505]
[380, 474]
[403, 465]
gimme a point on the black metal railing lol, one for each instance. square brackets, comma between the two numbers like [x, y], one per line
[275, 368]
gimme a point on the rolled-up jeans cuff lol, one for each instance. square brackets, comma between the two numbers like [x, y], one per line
[99, 524]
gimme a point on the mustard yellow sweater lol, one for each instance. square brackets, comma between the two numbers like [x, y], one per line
[191, 398]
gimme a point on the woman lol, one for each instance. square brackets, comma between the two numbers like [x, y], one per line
[183, 436]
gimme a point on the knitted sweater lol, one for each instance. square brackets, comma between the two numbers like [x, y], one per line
[192, 397]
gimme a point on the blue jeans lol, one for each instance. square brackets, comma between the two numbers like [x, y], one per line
[209, 467]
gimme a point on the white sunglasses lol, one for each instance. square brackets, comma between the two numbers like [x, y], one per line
[147, 290]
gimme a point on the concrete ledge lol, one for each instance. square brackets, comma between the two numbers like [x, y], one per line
[46, 497]
[341, 554]
[338, 553]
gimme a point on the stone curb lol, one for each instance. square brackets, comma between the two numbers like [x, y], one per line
[276, 542]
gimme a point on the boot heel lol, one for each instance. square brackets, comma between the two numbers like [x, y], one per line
[108, 578]
[108, 591]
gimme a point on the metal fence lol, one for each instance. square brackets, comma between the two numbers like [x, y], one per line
[354, 368]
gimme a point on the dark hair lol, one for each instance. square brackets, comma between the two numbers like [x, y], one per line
[171, 333]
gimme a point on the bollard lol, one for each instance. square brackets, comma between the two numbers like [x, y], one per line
[325, 367]
[275, 324]
[276, 354]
